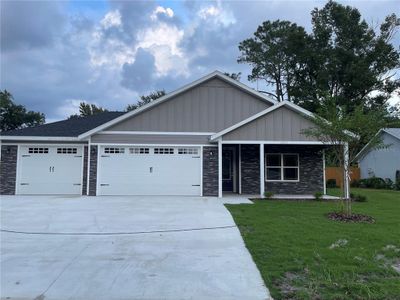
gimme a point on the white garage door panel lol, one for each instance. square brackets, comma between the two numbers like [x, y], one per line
[41, 170]
[149, 174]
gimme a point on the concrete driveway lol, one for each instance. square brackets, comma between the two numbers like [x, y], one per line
[123, 248]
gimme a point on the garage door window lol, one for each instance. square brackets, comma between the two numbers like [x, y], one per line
[192, 151]
[38, 150]
[139, 150]
[163, 150]
[67, 150]
[112, 150]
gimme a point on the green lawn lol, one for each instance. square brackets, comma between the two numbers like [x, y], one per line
[291, 243]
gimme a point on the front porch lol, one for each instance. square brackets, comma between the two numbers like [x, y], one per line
[288, 171]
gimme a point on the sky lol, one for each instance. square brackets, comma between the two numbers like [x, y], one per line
[56, 54]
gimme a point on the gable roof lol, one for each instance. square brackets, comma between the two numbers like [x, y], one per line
[215, 74]
[394, 132]
[67, 128]
[285, 103]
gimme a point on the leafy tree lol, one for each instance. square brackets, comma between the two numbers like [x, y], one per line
[145, 99]
[235, 76]
[347, 133]
[13, 116]
[343, 58]
[86, 109]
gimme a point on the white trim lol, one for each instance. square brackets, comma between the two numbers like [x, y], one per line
[217, 74]
[39, 138]
[282, 167]
[17, 176]
[156, 133]
[240, 169]
[153, 145]
[324, 169]
[98, 169]
[201, 171]
[88, 167]
[262, 171]
[219, 168]
[278, 142]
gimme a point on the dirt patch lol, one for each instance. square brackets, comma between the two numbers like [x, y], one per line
[354, 218]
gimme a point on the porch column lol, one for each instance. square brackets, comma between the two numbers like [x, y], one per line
[262, 170]
[220, 168]
[346, 177]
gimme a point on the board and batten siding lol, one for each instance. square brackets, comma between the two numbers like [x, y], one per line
[281, 124]
[150, 139]
[210, 107]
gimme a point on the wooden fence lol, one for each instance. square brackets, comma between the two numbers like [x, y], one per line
[337, 174]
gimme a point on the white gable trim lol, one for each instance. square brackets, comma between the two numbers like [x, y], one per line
[260, 114]
[216, 74]
[39, 138]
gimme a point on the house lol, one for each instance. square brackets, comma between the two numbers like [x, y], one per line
[383, 162]
[213, 137]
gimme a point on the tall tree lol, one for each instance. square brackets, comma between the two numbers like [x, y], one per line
[13, 116]
[86, 109]
[343, 58]
[144, 99]
[235, 76]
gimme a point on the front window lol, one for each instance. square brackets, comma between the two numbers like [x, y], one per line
[282, 167]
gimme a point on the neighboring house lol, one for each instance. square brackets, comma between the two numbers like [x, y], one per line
[212, 137]
[383, 162]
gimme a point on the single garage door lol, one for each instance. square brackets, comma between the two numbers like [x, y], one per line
[149, 171]
[50, 170]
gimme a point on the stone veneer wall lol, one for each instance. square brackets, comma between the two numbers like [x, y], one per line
[85, 165]
[8, 169]
[93, 171]
[311, 170]
[210, 171]
[250, 169]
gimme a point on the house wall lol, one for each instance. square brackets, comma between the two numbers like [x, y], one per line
[250, 169]
[210, 171]
[93, 171]
[8, 169]
[382, 162]
[209, 107]
[150, 139]
[281, 124]
[311, 177]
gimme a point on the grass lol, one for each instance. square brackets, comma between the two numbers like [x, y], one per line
[293, 245]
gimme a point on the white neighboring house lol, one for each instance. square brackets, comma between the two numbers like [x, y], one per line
[383, 162]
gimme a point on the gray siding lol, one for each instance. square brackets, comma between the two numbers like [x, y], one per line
[281, 124]
[311, 177]
[382, 162]
[150, 139]
[210, 107]
[8, 169]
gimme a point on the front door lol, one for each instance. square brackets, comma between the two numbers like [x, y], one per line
[228, 169]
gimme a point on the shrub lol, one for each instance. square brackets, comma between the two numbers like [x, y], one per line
[268, 195]
[396, 186]
[389, 183]
[373, 182]
[318, 196]
[355, 183]
[331, 183]
[358, 198]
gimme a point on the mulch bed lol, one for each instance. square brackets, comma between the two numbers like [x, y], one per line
[354, 218]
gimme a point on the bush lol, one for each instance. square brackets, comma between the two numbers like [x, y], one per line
[355, 183]
[318, 196]
[358, 198]
[268, 195]
[396, 186]
[373, 183]
[331, 183]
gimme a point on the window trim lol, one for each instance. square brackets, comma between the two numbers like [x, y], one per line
[282, 167]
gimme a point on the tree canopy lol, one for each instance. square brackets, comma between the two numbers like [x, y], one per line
[86, 109]
[144, 99]
[343, 58]
[14, 116]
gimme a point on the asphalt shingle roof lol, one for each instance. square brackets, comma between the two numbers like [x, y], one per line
[67, 128]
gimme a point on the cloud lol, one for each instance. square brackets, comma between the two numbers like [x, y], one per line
[111, 19]
[26, 24]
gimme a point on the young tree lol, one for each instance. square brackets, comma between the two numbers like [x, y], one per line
[346, 133]
[144, 99]
[13, 116]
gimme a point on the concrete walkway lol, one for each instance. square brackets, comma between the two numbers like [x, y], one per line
[124, 248]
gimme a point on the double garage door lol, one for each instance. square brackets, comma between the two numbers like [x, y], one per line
[50, 170]
[132, 170]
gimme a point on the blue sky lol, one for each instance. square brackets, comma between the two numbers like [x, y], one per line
[56, 54]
